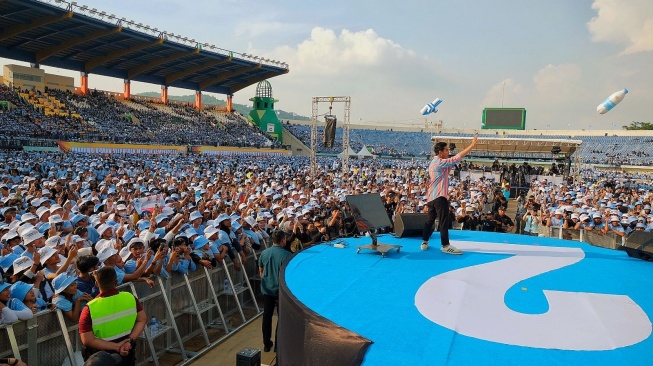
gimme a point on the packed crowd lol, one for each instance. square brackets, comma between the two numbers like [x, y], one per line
[104, 118]
[64, 215]
[608, 150]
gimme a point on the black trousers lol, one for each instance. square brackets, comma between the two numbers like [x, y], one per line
[438, 208]
[269, 303]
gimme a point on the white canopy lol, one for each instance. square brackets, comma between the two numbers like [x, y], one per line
[350, 152]
[365, 153]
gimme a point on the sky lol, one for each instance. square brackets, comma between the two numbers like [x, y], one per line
[559, 59]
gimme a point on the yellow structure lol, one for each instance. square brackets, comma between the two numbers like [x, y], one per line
[31, 78]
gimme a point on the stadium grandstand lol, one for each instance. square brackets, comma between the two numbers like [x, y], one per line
[93, 177]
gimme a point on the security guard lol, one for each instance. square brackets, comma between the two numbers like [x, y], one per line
[112, 321]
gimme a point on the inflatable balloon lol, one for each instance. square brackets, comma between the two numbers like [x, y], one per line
[612, 101]
[431, 107]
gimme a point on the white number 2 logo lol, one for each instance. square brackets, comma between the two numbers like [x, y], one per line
[470, 301]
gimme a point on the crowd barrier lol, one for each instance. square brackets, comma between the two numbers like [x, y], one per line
[609, 240]
[195, 308]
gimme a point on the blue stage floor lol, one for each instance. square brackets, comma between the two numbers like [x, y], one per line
[508, 300]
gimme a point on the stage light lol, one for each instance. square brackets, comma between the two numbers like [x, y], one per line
[555, 150]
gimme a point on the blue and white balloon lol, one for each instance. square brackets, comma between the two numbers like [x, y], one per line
[612, 101]
[431, 107]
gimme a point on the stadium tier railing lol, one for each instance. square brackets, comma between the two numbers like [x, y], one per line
[187, 306]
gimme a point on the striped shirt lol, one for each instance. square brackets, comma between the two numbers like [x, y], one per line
[439, 173]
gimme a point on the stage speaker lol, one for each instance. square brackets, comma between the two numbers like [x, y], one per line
[248, 357]
[639, 244]
[409, 224]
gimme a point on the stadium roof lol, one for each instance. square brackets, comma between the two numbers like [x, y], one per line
[512, 145]
[67, 36]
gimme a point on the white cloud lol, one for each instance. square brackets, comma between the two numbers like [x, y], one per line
[627, 22]
[506, 93]
[557, 81]
[384, 79]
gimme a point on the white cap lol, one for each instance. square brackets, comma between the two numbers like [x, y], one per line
[22, 263]
[105, 253]
[46, 253]
[28, 216]
[55, 219]
[250, 220]
[53, 241]
[41, 211]
[125, 253]
[210, 231]
[103, 243]
[55, 207]
[31, 235]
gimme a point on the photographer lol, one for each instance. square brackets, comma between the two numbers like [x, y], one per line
[499, 200]
[489, 223]
[334, 223]
[505, 223]
[532, 222]
[521, 211]
[468, 218]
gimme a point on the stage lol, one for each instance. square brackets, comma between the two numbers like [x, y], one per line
[508, 300]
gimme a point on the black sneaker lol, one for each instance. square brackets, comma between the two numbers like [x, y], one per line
[267, 348]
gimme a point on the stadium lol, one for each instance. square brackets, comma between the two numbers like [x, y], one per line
[164, 190]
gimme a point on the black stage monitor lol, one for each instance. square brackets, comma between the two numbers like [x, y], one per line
[370, 214]
[368, 207]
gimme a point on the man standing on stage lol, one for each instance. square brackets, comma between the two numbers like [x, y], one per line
[438, 193]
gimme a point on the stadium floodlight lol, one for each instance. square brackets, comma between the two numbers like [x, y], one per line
[84, 8]
[192, 40]
[155, 30]
[94, 11]
[74, 3]
[139, 25]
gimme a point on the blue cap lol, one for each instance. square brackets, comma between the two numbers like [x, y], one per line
[43, 228]
[61, 282]
[143, 225]
[222, 217]
[4, 285]
[77, 218]
[161, 217]
[20, 289]
[200, 241]
[7, 261]
[128, 235]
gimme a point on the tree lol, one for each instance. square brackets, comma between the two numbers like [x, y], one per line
[639, 126]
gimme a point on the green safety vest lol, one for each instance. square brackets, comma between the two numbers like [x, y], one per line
[113, 317]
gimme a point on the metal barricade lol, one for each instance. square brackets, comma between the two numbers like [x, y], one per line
[186, 305]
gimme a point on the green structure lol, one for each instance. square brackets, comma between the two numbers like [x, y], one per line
[263, 114]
